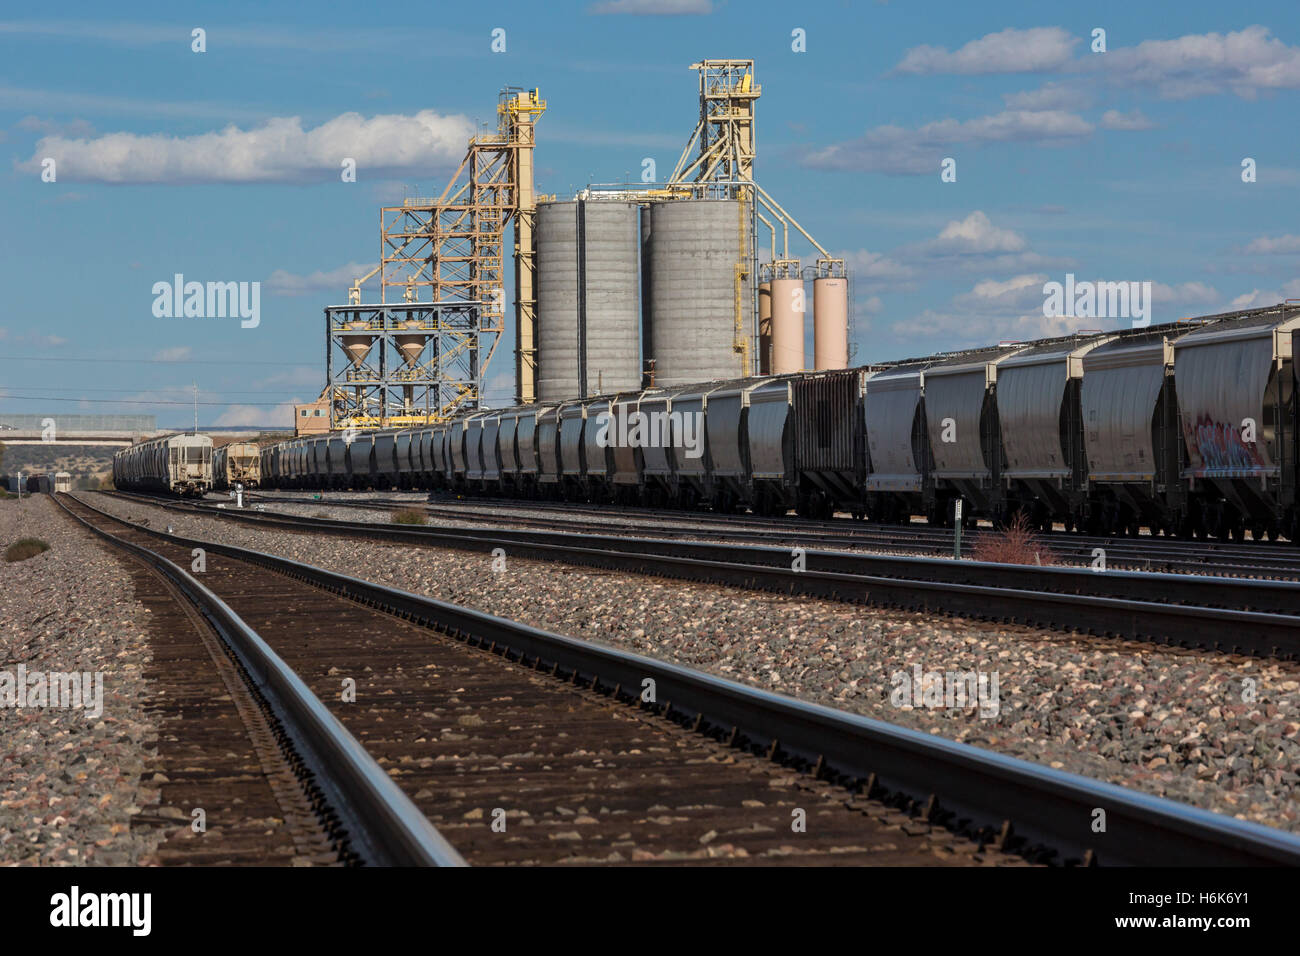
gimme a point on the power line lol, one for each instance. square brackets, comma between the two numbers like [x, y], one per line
[126, 401]
[163, 388]
[103, 361]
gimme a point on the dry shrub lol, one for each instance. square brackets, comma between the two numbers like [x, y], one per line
[409, 516]
[25, 548]
[1015, 543]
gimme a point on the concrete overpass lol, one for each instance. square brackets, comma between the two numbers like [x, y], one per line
[74, 436]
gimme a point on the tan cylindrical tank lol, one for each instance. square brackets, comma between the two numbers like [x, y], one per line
[787, 325]
[831, 323]
[765, 328]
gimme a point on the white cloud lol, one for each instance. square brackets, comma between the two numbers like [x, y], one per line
[1257, 299]
[177, 353]
[1015, 289]
[34, 124]
[1049, 96]
[973, 244]
[1186, 293]
[280, 150]
[1244, 63]
[235, 415]
[337, 280]
[1273, 246]
[1114, 119]
[39, 339]
[976, 234]
[1011, 310]
[652, 7]
[991, 311]
[901, 151]
[1254, 298]
[876, 267]
[1008, 51]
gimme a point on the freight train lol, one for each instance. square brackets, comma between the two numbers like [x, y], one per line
[1186, 429]
[177, 464]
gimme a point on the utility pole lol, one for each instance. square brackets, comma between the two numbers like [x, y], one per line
[196, 407]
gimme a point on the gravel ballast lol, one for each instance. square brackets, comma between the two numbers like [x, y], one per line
[1212, 730]
[70, 780]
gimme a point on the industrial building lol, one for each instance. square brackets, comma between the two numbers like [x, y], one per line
[620, 287]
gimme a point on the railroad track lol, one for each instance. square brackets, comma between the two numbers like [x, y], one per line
[487, 721]
[1250, 616]
[278, 780]
[1166, 555]
[219, 750]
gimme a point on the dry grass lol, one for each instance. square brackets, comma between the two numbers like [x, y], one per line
[25, 548]
[409, 516]
[1013, 544]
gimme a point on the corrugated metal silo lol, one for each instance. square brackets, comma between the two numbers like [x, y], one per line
[587, 298]
[695, 248]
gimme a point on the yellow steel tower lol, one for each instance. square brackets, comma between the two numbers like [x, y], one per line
[449, 251]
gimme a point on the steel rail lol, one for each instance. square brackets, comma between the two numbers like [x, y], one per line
[1153, 555]
[1177, 549]
[383, 825]
[990, 792]
[1260, 617]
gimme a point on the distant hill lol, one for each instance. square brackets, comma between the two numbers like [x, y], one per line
[76, 460]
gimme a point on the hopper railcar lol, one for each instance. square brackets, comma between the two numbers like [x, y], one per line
[237, 463]
[174, 464]
[1186, 429]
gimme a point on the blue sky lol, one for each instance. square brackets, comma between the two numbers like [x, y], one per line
[223, 166]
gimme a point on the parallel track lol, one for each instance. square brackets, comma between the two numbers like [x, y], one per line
[584, 768]
[1158, 554]
[1258, 617]
[220, 751]
[368, 819]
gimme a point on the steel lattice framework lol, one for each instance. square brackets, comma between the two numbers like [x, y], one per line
[400, 364]
[725, 131]
[449, 251]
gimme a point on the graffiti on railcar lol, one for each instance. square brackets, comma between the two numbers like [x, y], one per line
[1222, 450]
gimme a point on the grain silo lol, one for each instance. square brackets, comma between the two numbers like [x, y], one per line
[696, 289]
[587, 298]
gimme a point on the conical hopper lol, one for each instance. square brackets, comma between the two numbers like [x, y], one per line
[411, 345]
[357, 345]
